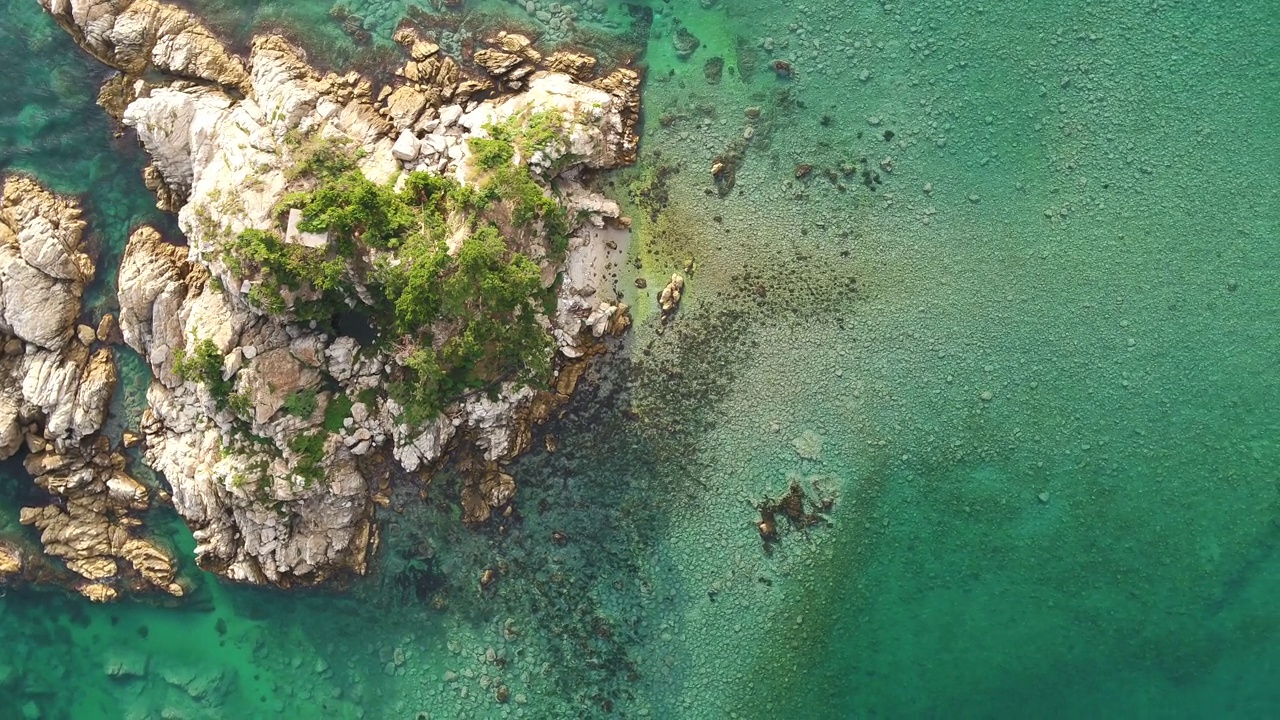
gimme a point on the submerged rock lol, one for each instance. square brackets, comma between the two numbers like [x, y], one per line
[684, 42]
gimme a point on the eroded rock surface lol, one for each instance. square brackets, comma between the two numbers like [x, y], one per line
[54, 394]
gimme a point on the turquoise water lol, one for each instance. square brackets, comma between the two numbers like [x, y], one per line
[1035, 369]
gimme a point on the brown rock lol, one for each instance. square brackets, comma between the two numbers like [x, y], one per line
[410, 72]
[499, 488]
[97, 567]
[579, 65]
[624, 83]
[447, 76]
[136, 36]
[404, 105]
[467, 88]
[169, 198]
[154, 564]
[127, 493]
[116, 94]
[621, 320]
[512, 42]
[405, 36]
[569, 375]
[108, 330]
[486, 488]
[423, 49]
[474, 508]
[271, 378]
[98, 592]
[496, 62]
[10, 560]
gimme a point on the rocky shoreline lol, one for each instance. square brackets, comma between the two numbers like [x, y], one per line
[56, 381]
[223, 134]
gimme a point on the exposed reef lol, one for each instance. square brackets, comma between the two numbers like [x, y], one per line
[271, 414]
[56, 381]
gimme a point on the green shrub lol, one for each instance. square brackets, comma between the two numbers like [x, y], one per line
[540, 130]
[355, 210]
[239, 404]
[204, 365]
[301, 403]
[421, 392]
[528, 133]
[368, 396]
[309, 451]
[485, 300]
[336, 412]
[320, 157]
[529, 204]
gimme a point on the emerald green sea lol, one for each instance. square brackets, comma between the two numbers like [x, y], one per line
[999, 280]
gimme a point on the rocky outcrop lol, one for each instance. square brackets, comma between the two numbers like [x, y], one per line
[11, 562]
[669, 298]
[93, 529]
[136, 36]
[42, 270]
[55, 387]
[234, 478]
[579, 65]
[604, 112]
[272, 493]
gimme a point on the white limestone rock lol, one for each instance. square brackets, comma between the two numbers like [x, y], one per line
[406, 147]
[226, 147]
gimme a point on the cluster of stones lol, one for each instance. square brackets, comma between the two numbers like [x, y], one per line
[563, 17]
[56, 382]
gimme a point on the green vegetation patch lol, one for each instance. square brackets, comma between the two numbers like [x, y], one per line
[491, 153]
[336, 412]
[530, 209]
[526, 132]
[319, 157]
[204, 365]
[457, 323]
[539, 130]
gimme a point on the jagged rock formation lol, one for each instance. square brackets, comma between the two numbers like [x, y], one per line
[253, 522]
[669, 299]
[135, 36]
[222, 153]
[55, 387]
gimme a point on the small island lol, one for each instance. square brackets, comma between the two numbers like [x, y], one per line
[371, 281]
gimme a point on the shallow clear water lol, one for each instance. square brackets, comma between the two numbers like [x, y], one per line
[1036, 369]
